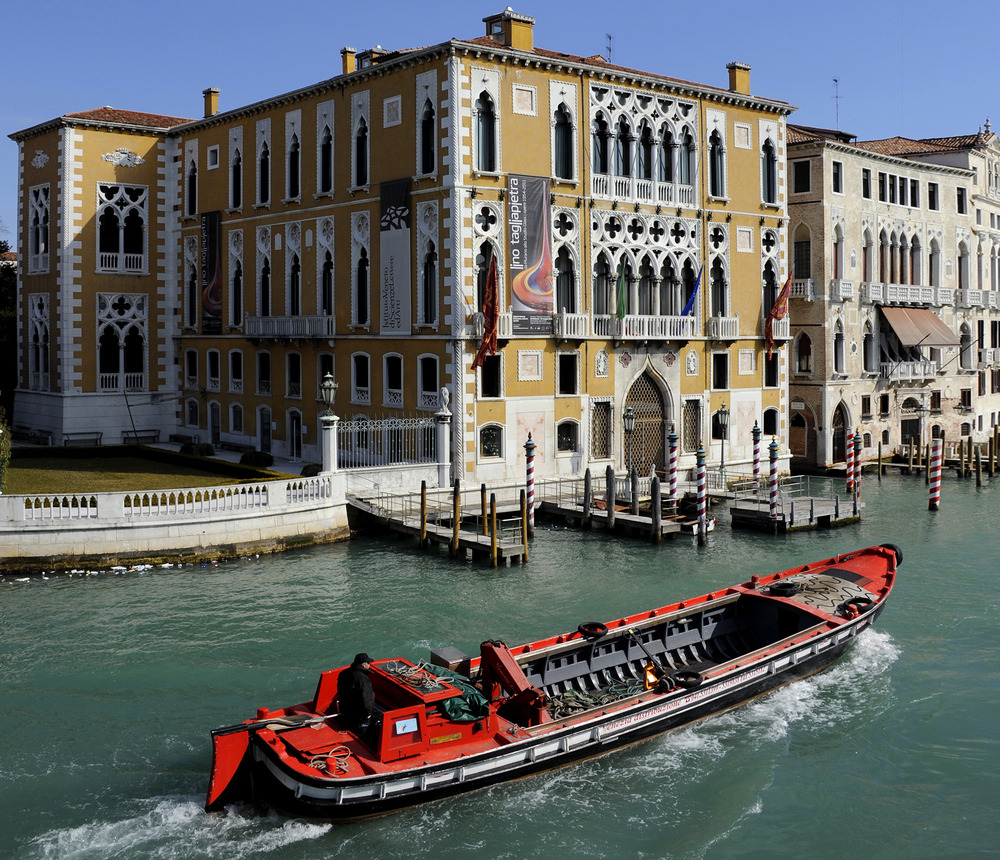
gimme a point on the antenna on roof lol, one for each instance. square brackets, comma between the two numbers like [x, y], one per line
[836, 99]
[610, 39]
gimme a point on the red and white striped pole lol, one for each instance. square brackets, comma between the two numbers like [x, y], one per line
[934, 499]
[756, 455]
[529, 467]
[849, 456]
[702, 493]
[772, 450]
[672, 466]
[857, 462]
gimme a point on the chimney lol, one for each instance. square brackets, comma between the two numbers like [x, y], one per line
[211, 101]
[347, 55]
[511, 29]
[739, 78]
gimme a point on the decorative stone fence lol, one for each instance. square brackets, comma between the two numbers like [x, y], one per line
[46, 531]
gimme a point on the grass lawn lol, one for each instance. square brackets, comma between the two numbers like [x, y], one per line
[103, 475]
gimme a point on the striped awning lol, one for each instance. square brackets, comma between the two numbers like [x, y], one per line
[920, 327]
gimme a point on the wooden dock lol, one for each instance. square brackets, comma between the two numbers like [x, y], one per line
[795, 514]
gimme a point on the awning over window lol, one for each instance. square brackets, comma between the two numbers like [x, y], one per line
[920, 327]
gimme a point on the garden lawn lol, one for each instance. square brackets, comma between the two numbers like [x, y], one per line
[104, 475]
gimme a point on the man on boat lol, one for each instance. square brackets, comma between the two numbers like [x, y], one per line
[355, 696]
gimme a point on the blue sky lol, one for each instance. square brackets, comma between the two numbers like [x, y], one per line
[905, 67]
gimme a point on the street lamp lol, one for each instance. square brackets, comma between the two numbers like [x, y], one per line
[328, 390]
[724, 427]
[628, 420]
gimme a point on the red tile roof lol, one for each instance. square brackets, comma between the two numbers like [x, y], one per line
[127, 117]
[900, 146]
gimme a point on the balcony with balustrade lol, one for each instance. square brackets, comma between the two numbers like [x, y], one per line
[908, 371]
[122, 381]
[906, 294]
[643, 327]
[505, 325]
[724, 328]
[989, 358]
[841, 290]
[568, 326]
[802, 289]
[112, 261]
[318, 327]
[608, 186]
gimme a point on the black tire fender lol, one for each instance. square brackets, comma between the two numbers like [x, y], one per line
[592, 629]
[896, 550]
[689, 680]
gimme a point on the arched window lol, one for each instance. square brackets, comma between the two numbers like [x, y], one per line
[647, 288]
[839, 356]
[236, 372]
[236, 295]
[567, 437]
[361, 289]
[326, 161]
[802, 252]
[121, 230]
[293, 167]
[361, 154]
[236, 181]
[491, 441]
[623, 148]
[644, 166]
[869, 354]
[293, 371]
[665, 156]
[770, 287]
[838, 253]
[720, 297]
[192, 189]
[716, 166]
[192, 296]
[769, 424]
[670, 284]
[360, 378]
[326, 285]
[565, 283]
[601, 137]
[769, 172]
[428, 155]
[264, 293]
[482, 271]
[264, 174]
[236, 418]
[392, 379]
[295, 287]
[934, 265]
[602, 286]
[803, 354]
[486, 131]
[685, 162]
[562, 143]
[866, 258]
[428, 287]
[966, 357]
[264, 373]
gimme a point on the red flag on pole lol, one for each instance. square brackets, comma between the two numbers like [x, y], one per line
[777, 312]
[491, 316]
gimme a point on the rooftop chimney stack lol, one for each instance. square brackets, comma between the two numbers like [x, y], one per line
[347, 55]
[211, 101]
[739, 78]
[511, 29]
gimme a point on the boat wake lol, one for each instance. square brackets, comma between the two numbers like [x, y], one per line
[177, 827]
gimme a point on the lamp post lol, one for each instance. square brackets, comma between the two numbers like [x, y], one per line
[328, 420]
[628, 420]
[724, 427]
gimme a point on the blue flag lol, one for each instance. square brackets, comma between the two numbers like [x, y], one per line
[694, 293]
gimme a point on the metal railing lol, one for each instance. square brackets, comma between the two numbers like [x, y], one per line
[385, 441]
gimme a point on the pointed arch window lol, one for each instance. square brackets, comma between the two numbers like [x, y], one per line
[428, 138]
[839, 355]
[665, 156]
[361, 154]
[361, 289]
[769, 172]
[623, 148]
[236, 295]
[294, 168]
[770, 287]
[295, 287]
[486, 130]
[428, 287]
[264, 174]
[326, 285]
[236, 181]
[562, 143]
[644, 159]
[192, 189]
[565, 282]
[803, 354]
[602, 286]
[716, 166]
[326, 161]
[719, 290]
[264, 295]
[685, 162]
[602, 135]
[121, 233]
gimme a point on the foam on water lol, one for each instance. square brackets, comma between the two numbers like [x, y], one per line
[176, 829]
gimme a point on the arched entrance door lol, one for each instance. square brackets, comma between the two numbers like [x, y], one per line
[838, 428]
[646, 446]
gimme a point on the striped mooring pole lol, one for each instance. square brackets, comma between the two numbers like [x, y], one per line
[772, 451]
[857, 461]
[702, 494]
[529, 468]
[756, 455]
[849, 456]
[672, 466]
[934, 492]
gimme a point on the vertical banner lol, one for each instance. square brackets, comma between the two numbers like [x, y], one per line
[394, 258]
[211, 273]
[532, 287]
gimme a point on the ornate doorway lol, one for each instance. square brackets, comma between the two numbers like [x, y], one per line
[646, 447]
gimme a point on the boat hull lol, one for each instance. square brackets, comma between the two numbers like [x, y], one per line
[315, 799]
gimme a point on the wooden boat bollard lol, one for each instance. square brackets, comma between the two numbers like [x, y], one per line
[656, 509]
[633, 480]
[524, 528]
[880, 461]
[588, 500]
[456, 518]
[493, 529]
[423, 514]
[482, 504]
[609, 477]
[979, 466]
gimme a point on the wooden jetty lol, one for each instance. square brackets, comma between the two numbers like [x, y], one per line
[798, 508]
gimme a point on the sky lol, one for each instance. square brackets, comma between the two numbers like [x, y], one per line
[903, 67]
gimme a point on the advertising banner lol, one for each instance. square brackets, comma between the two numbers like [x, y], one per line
[395, 286]
[211, 273]
[531, 278]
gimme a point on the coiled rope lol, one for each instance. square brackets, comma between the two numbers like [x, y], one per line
[572, 701]
[336, 760]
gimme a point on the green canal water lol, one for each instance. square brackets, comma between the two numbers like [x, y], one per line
[111, 683]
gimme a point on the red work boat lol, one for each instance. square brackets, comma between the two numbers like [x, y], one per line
[515, 711]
